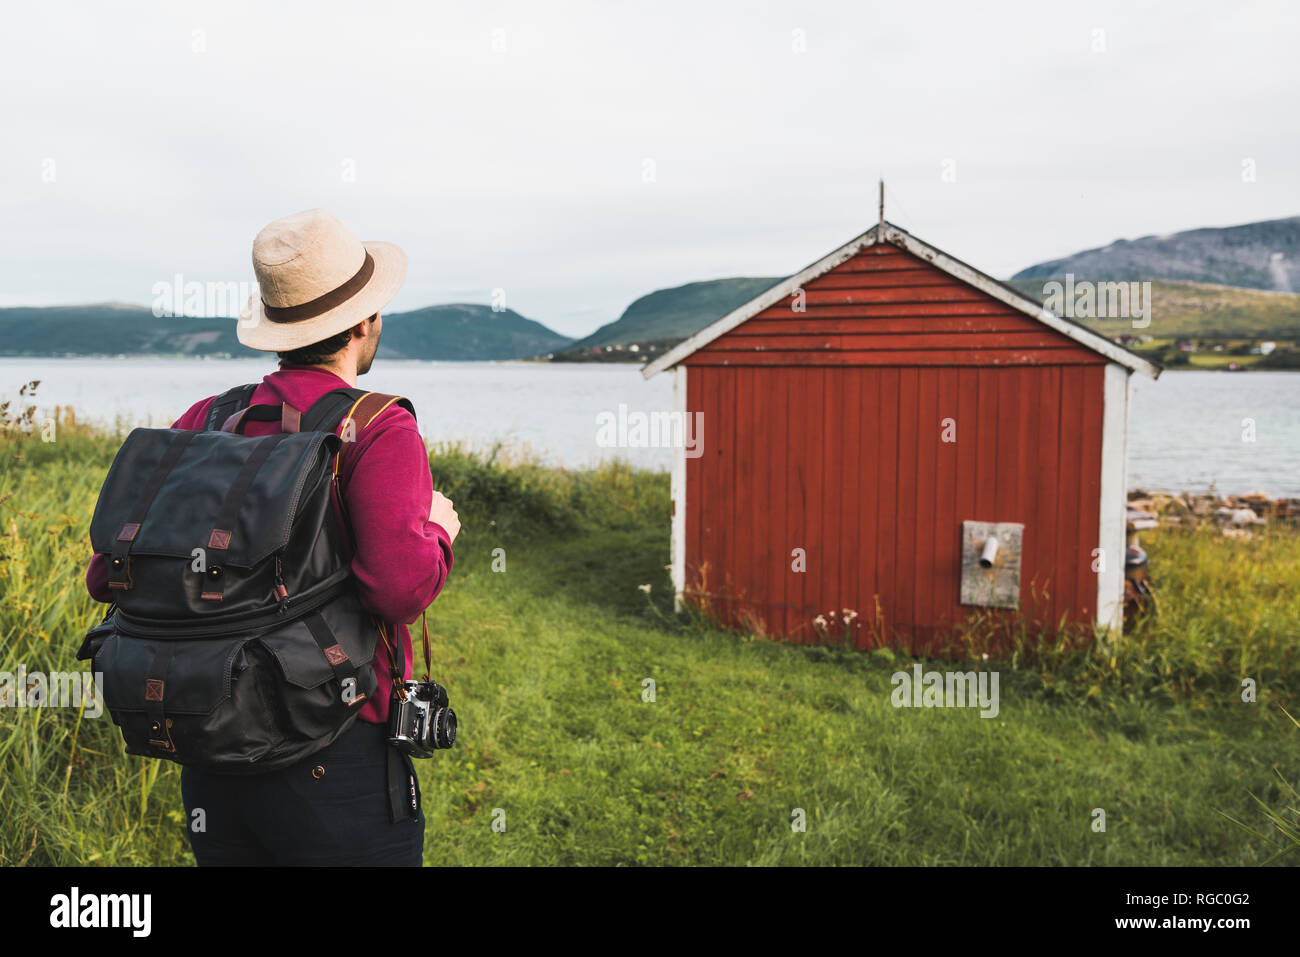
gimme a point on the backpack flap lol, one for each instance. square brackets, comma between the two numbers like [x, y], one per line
[222, 490]
[179, 507]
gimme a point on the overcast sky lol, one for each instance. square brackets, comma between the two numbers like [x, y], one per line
[579, 155]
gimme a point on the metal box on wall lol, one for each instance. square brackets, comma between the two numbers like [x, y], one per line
[990, 564]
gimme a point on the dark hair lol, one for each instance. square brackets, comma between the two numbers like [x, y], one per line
[319, 352]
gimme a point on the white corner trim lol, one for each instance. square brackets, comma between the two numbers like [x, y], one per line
[1111, 537]
[941, 260]
[677, 486]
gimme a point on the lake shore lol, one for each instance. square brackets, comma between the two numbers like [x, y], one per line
[1193, 432]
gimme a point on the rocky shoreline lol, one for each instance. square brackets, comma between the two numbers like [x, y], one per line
[1236, 515]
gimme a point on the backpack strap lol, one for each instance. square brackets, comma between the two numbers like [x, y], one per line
[227, 404]
[325, 414]
[283, 413]
[227, 518]
[329, 411]
[353, 410]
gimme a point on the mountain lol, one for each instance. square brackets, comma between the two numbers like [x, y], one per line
[112, 329]
[670, 315]
[464, 331]
[452, 332]
[1254, 256]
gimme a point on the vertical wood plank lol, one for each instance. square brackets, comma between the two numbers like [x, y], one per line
[785, 508]
[945, 533]
[887, 509]
[1048, 486]
[925, 566]
[1091, 392]
[869, 468]
[1069, 556]
[852, 484]
[967, 481]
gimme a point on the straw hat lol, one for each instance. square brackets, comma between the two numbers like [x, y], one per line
[315, 279]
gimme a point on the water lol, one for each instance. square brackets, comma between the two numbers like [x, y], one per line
[545, 410]
[1193, 431]
[1186, 429]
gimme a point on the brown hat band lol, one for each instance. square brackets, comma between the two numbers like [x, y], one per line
[323, 304]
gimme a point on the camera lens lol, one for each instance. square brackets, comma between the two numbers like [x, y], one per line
[444, 728]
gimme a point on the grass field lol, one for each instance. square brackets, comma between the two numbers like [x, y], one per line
[545, 664]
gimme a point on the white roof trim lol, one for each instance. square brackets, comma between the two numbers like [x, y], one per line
[752, 308]
[936, 257]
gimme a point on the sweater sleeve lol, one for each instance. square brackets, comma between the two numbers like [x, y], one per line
[401, 559]
[97, 579]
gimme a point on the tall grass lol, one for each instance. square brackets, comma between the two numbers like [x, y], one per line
[1228, 614]
[545, 664]
[512, 494]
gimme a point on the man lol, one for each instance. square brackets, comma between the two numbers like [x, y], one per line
[321, 291]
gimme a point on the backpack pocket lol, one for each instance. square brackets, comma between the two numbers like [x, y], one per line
[241, 704]
[324, 661]
[203, 702]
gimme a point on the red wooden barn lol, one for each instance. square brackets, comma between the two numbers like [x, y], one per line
[858, 415]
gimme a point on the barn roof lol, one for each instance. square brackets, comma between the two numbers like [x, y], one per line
[936, 257]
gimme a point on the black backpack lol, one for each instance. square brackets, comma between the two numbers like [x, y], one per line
[236, 641]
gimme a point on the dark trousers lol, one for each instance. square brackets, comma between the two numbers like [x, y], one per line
[332, 808]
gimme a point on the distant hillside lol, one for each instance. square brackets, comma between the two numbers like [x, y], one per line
[1254, 256]
[464, 331]
[674, 314]
[112, 329]
[450, 332]
[1190, 309]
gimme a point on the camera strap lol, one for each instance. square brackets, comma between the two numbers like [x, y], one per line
[428, 655]
[403, 800]
[403, 793]
[398, 674]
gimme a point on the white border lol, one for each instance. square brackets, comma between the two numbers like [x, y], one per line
[953, 267]
[1111, 538]
[677, 484]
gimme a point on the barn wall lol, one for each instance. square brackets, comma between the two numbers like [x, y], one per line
[825, 433]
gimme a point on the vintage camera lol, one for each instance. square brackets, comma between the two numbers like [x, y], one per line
[421, 723]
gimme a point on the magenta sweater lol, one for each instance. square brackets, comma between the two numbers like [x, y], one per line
[401, 559]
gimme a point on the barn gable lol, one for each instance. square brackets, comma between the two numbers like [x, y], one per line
[894, 301]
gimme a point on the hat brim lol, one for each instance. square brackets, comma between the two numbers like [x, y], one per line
[258, 332]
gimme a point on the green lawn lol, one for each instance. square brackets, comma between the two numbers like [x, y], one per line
[545, 664]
